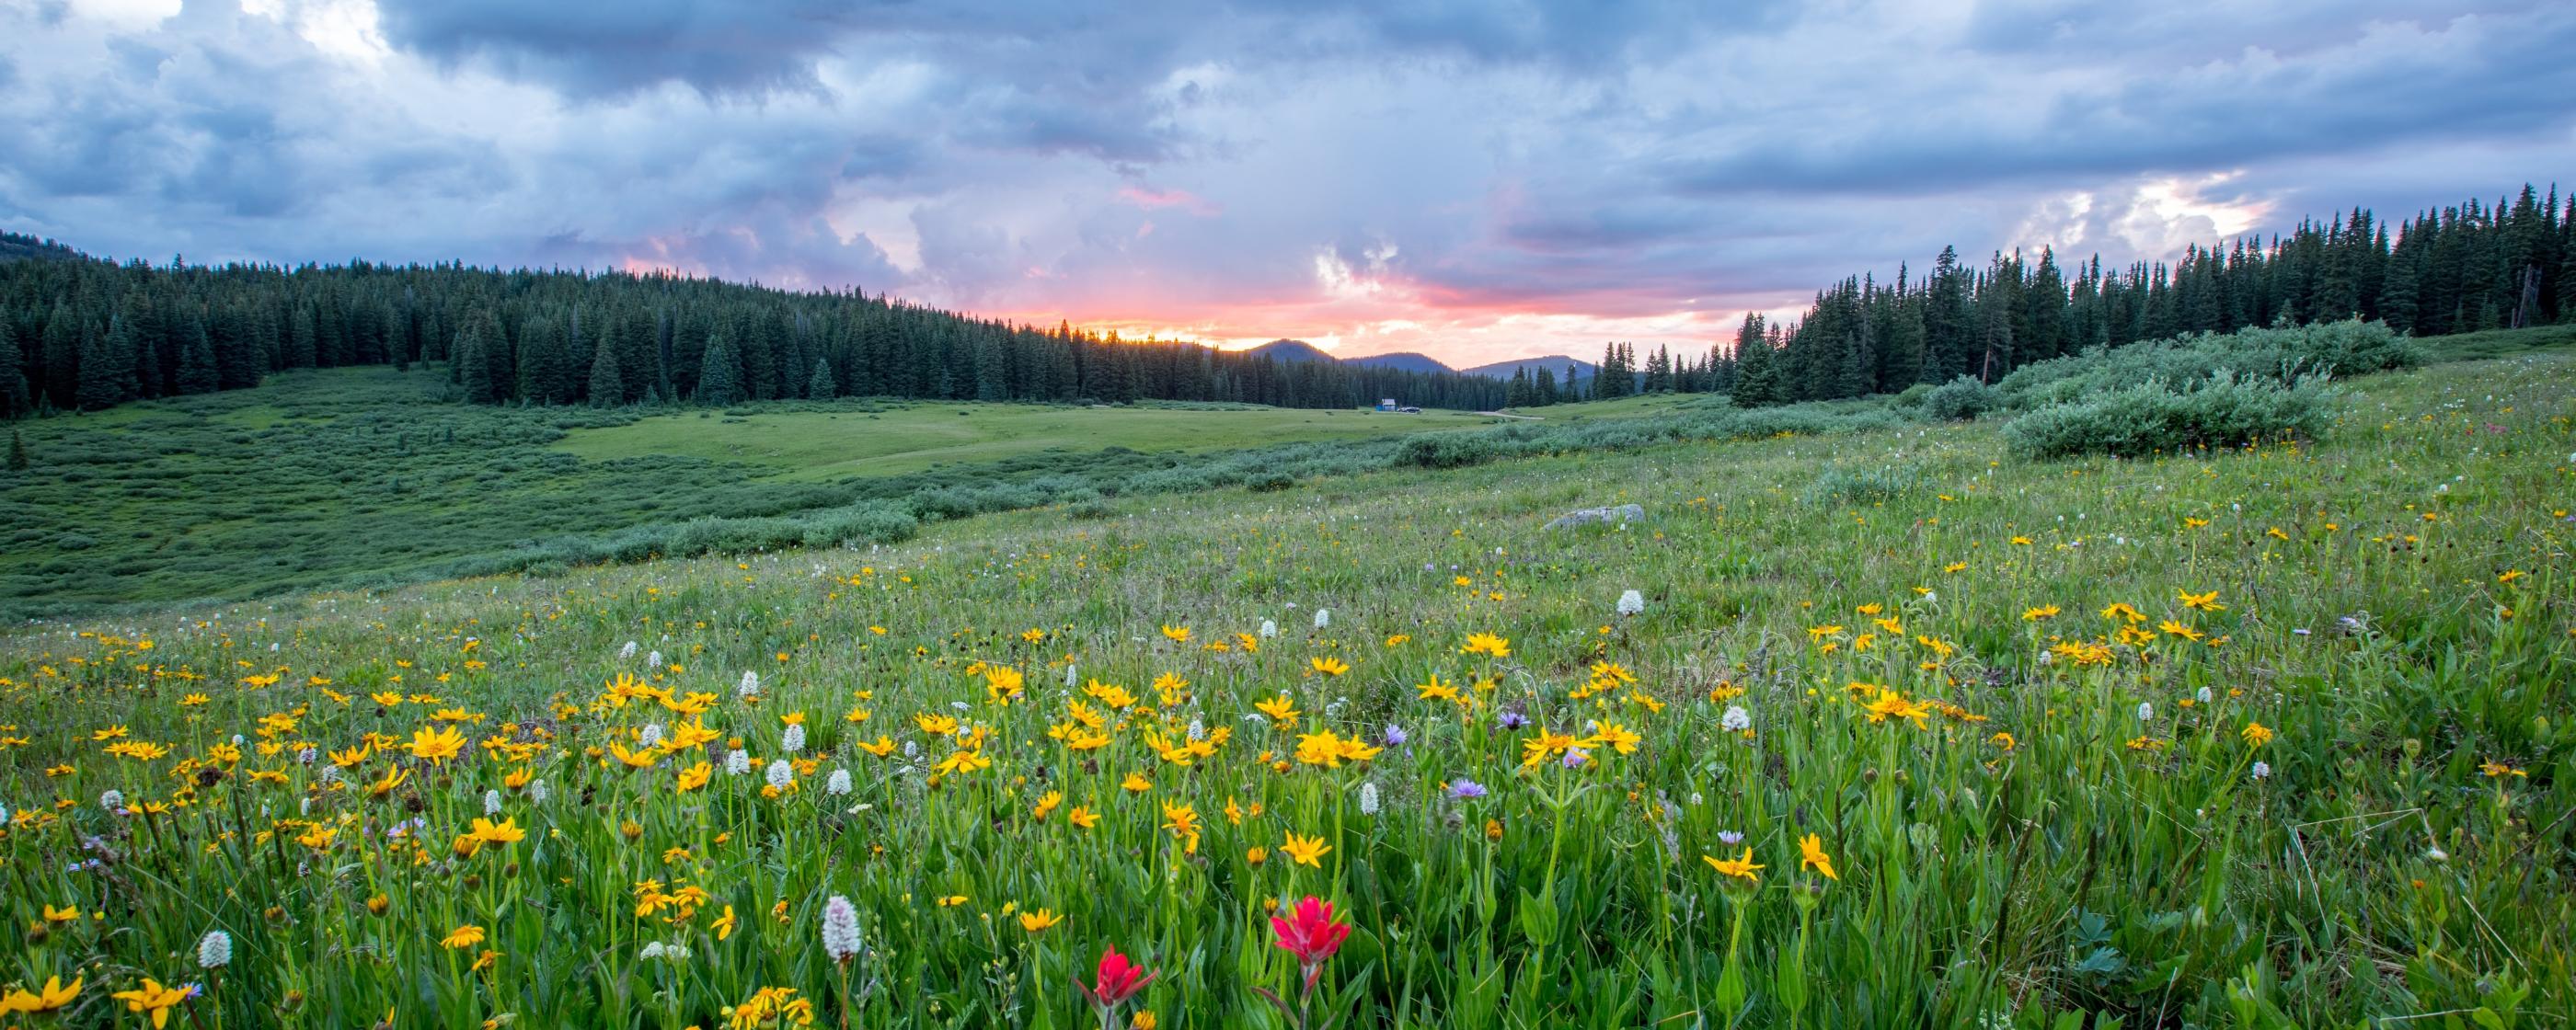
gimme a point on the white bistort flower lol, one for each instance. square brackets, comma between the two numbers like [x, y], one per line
[111, 800]
[781, 774]
[840, 929]
[627, 651]
[214, 950]
[537, 791]
[793, 740]
[839, 783]
[1323, 618]
[750, 685]
[1269, 629]
[1632, 603]
[1736, 719]
[737, 762]
[1368, 799]
[491, 802]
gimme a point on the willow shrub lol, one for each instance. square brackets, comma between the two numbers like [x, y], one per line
[2154, 418]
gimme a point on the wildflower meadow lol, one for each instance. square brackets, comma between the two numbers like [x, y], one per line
[1887, 728]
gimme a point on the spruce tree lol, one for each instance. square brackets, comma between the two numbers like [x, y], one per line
[720, 374]
[17, 452]
[818, 383]
[107, 367]
[473, 363]
[197, 372]
[14, 399]
[607, 382]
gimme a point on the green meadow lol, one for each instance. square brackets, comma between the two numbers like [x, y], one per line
[1900, 730]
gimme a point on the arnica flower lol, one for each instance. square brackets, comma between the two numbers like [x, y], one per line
[1310, 933]
[1039, 921]
[462, 937]
[840, 929]
[1114, 982]
[1736, 868]
[214, 950]
[2256, 734]
[52, 998]
[155, 999]
[1464, 789]
[1811, 855]
[1305, 850]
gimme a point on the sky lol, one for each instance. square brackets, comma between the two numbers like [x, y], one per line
[1478, 181]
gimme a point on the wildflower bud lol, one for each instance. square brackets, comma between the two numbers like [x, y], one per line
[36, 933]
[377, 904]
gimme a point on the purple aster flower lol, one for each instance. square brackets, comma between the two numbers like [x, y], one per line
[1395, 736]
[1511, 720]
[1465, 789]
[1730, 837]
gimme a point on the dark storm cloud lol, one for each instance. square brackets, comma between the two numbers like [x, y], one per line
[1344, 163]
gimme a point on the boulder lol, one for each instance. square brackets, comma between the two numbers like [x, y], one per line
[1598, 516]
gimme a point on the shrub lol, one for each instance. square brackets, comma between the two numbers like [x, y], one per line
[2151, 418]
[1274, 479]
[1841, 486]
[860, 524]
[1961, 399]
[1449, 450]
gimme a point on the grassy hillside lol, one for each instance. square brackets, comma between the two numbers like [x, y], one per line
[916, 436]
[2267, 738]
[369, 475]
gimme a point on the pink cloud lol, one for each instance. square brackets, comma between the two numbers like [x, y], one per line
[1152, 199]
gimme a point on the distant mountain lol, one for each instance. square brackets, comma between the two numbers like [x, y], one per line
[1290, 350]
[1401, 361]
[1554, 363]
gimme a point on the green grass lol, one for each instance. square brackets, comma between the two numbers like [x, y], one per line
[2497, 343]
[912, 437]
[2390, 602]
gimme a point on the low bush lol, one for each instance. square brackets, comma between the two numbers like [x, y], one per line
[2152, 418]
[1961, 399]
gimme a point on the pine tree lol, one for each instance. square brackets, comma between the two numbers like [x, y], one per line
[607, 382]
[720, 374]
[107, 367]
[473, 363]
[818, 383]
[197, 372]
[17, 452]
[15, 401]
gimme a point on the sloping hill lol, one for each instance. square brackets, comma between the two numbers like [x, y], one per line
[1407, 361]
[1556, 363]
[1290, 350]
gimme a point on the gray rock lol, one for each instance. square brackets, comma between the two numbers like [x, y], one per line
[1599, 516]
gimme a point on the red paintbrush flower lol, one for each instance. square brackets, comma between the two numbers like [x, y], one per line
[1311, 934]
[1117, 981]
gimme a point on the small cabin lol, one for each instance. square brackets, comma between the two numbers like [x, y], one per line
[1386, 404]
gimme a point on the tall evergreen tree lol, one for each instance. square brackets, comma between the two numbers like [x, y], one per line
[607, 381]
[720, 374]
